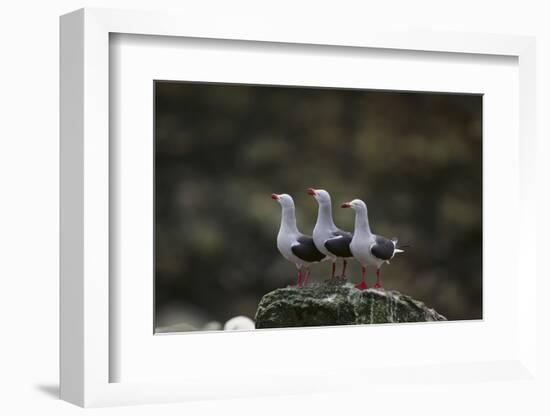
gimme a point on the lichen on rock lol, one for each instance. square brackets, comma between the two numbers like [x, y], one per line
[338, 303]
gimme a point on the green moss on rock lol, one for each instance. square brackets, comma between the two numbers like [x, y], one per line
[339, 304]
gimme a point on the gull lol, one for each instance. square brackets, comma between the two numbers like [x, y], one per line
[296, 247]
[328, 238]
[366, 247]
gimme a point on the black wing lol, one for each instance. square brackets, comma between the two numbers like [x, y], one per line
[339, 245]
[383, 248]
[306, 250]
[342, 233]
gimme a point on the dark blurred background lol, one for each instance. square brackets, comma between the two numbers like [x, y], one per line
[221, 150]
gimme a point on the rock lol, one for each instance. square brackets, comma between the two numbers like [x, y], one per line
[339, 304]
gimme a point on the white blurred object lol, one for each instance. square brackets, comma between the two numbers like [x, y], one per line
[239, 323]
[212, 326]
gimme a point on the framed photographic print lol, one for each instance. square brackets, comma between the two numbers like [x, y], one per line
[235, 207]
[225, 253]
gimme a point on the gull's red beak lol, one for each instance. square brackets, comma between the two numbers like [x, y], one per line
[346, 205]
[311, 191]
[274, 196]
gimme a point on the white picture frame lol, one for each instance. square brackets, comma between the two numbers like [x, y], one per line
[86, 164]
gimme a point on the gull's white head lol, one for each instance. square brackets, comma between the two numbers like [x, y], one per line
[320, 195]
[356, 204]
[284, 199]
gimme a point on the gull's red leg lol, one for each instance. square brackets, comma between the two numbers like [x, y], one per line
[307, 276]
[344, 269]
[363, 284]
[333, 269]
[378, 285]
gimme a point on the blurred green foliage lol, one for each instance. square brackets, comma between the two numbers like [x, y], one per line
[221, 150]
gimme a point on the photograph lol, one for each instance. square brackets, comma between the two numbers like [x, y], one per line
[281, 206]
